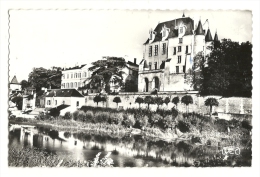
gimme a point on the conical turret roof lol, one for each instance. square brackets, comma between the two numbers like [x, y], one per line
[14, 80]
[199, 30]
[208, 37]
[216, 37]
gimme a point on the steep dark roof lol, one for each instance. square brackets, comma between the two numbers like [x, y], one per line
[62, 106]
[132, 64]
[14, 80]
[64, 93]
[208, 36]
[187, 21]
[199, 30]
[216, 37]
[76, 67]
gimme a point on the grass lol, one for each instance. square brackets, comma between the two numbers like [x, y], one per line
[34, 157]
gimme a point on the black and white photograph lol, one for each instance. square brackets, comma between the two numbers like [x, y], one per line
[103, 88]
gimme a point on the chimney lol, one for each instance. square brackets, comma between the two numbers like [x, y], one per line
[134, 60]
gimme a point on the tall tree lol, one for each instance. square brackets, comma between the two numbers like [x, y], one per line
[139, 100]
[158, 101]
[228, 71]
[24, 84]
[97, 99]
[105, 71]
[149, 100]
[117, 100]
[41, 77]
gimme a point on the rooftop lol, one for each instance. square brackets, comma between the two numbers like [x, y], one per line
[64, 93]
[76, 67]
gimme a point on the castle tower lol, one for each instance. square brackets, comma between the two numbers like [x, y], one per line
[208, 43]
[199, 39]
[216, 41]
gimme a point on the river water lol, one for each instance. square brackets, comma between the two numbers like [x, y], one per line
[127, 150]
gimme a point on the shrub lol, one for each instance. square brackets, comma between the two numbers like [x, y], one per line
[101, 117]
[211, 102]
[75, 115]
[129, 120]
[67, 116]
[168, 121]
[183, 126]
[221, 125]
[116, 118]
[89, 116]
[43, 116]
[54, 112]
[245, 124]
[143, 121]
[81, 116]
[155, 118]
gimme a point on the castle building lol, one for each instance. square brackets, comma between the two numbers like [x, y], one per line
[169, 53]
[74, 77]
[14, 85]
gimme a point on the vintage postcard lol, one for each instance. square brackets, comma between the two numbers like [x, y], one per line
[130, 88]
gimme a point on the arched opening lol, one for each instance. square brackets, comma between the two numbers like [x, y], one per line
[146, 84]
[156, 83]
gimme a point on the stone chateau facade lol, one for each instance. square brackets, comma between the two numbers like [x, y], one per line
[169, 52]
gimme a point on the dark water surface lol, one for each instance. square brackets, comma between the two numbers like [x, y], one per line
[127, 151]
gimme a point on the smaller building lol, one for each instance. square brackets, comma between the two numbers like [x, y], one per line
[70, 97]
[15, 86]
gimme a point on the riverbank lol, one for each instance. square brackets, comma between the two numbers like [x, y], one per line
[209, 136]
[34, 157]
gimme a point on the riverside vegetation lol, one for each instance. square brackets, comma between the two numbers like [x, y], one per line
[165, 124]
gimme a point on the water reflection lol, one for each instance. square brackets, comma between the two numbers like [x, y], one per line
[127, 151]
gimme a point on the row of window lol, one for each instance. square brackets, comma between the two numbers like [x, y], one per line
[156, 50]
[164, 50]
[71, 85]
[56, 102]
[74, 75]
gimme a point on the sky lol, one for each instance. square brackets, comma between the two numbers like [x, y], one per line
[46, 38]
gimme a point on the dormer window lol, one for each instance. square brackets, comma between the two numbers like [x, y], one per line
[164, 33]
[151, 36]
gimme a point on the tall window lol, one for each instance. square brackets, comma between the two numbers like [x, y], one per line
[181, 29]
[71, 75]
[77, 104]
[151, 35]
[63, 76]
[155, 65]
[68, 76]
[55, 102]
[163, 33]
[49, 102]
[150, 65]
[75, 75]
[174, 51]
[156, 50]
[68, 85]
[164, 48]
[177, 69]
[187, 49]
[179, 48]
[71, 85]
[75, 84]
[85, 74]
[179, 59]
[79, 75]
[150, 51]
[180, 40]
[184, 68]
[79, 84]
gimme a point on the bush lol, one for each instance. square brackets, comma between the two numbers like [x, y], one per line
[81, 116]
[54, 112]
[245, 124]
[183, 126]
[67, 116]
[129, 120]
[43, 116]
[116, 118]
[143, 121]
[155, 118]
[168, 121]
[89, 116]
[101, 117]
[75, 115]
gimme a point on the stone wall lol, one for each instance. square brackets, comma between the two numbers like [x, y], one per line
[231, 105]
